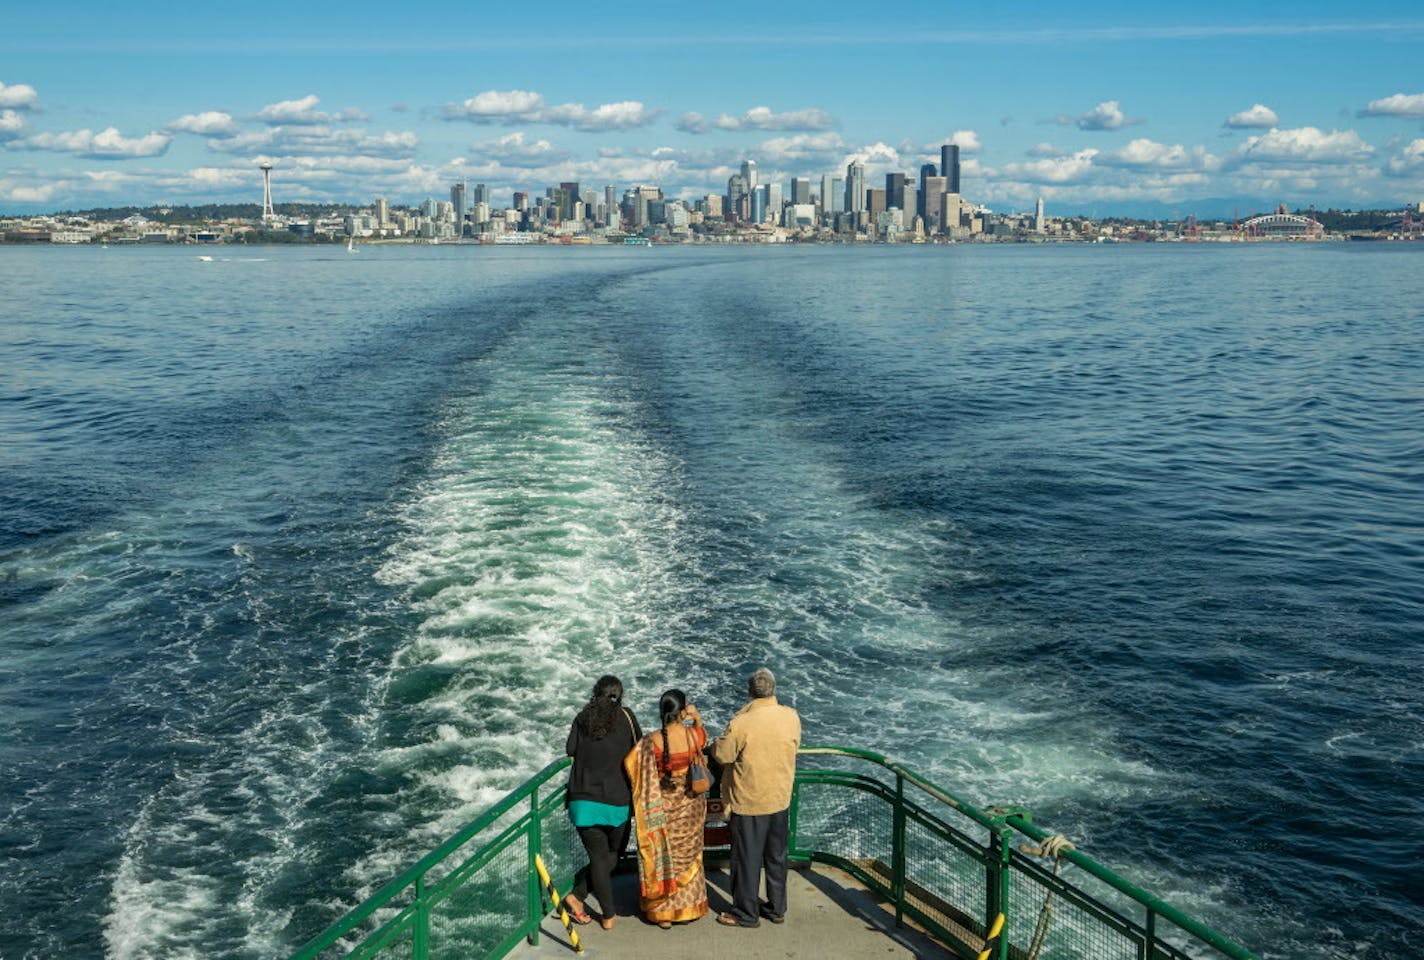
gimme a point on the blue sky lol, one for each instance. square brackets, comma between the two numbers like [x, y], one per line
[1099, 107]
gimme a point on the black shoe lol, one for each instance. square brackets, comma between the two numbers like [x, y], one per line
[766, 914]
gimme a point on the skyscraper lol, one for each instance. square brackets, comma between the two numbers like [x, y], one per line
[480, 194]
[932, 190]
[749, 174]
[571, 197]
[457, 200]
[800, 189]
[1038, 216]
[926, 171]
[949, 165]
[855, 188]
[610, 200]
[895, 191]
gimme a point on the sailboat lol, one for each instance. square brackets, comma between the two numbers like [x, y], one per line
[351, 244]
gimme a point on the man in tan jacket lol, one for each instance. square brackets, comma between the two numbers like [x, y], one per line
[758, 756]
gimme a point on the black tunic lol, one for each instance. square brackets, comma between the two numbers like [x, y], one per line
[598, 764]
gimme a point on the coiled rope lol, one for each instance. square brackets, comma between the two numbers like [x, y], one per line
[1054, 846]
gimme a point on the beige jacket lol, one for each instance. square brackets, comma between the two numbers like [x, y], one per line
[758, 755]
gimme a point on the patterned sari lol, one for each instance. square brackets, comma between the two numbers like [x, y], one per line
[673, 885]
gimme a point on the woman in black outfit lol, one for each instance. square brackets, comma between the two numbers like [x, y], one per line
[599, 796]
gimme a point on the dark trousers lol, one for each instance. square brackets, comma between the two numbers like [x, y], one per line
[759, 844]
[604, 845]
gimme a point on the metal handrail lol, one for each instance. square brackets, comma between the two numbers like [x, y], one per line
[1001, 824]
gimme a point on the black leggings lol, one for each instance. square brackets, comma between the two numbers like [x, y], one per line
[604, 845]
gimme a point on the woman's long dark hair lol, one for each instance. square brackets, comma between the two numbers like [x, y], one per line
[670, 707]
[602, 711]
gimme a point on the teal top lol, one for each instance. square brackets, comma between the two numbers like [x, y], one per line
[591, 813]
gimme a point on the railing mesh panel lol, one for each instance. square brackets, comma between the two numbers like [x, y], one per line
[480, 913]
[846, 822]
[944, 881]
[1072, 933]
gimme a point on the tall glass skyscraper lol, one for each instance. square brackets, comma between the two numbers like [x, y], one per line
[855, 188]
[949, 165]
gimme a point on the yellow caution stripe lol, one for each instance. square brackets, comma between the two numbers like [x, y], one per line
[991, 941]
[564, 917]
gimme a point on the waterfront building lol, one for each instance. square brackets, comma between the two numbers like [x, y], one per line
[951, 211]
[949, 165]
[712, 206]
[1038, 216]
[855, 188]
[799, 215]
[383, 212]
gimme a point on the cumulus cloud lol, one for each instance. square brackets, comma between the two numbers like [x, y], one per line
[18, 96]
[1259, 115]
[1407, 105]
[514, 150]
[1305, 145]
[802, 150]
[809, 120]
[1144, 154]
[303, 112]
[692, 123]
[966, 140]
[305, 141]
[210, 123]
[12, 124]
[511, 107]
[1071, 168]
[1107, 115]
[1410, 161]
[107, 144]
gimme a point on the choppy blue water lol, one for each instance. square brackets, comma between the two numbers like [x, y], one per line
[306, 557]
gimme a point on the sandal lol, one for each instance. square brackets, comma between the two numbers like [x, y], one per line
[578, 914]
[728, 920]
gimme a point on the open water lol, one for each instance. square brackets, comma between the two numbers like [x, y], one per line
[306, 557]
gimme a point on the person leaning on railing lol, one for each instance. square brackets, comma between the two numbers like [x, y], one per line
[599, 798]
[758, 756]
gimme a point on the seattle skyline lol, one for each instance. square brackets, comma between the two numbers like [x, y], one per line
[1102, 109]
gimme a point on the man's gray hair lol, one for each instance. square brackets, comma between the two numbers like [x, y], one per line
[761, 684]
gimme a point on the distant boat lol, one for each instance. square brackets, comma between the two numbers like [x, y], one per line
[205, 258]
[351, 244]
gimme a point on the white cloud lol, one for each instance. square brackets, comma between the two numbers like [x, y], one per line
[303, 112]
[1074, 168]
[212, 123]
[1045, 150]
[692, 123]
[1259, 115]
[1305, 145]
[107, 144]
[1410, 161]
[12, 123]
[300, 141]
[18, 96]
[515, 151]
[511, 107]
[1407, 105]
[1107, 115]
[809, 120]
[801, 150]
[1147, 154]
[966, 140]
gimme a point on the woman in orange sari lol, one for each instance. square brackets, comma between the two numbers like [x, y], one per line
[668, 816]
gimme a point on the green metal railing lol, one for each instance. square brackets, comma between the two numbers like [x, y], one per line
[943, 863]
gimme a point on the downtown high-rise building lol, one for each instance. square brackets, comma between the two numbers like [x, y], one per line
[927, 170]
[949, 165]
[855, 188]
[457, 200]
[749, 174]
[800, 189]
[895, 191]
[932, 191]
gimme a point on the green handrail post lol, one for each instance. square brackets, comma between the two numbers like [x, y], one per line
[536, 848]
[791, 846]
[897, 851]
[996, 883]
[1149, 942]
[420, 948]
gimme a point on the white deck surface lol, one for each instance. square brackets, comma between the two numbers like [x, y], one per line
[829, 914]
